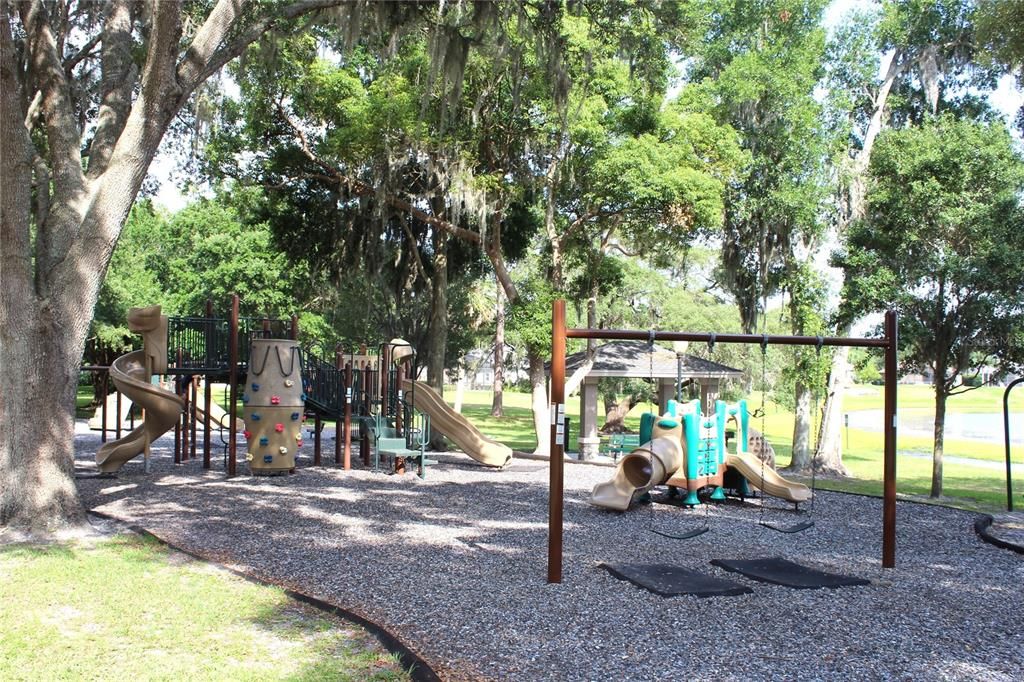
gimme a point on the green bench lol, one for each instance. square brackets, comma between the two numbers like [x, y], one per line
[622, 443]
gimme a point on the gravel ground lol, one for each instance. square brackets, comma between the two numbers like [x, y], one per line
[455, 567]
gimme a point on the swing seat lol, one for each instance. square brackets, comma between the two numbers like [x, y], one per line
[682, 536]
[795, 528]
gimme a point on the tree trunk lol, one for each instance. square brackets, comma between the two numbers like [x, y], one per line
[829, 458]
[438, 328]
[940, 435]
[541, 414]
[615, 416]
[497, 402]
[38, 381]
[801, 460]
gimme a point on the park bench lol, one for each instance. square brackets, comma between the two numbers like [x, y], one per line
[620, 443]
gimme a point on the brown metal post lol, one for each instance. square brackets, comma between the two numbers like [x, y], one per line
[266, 328]
[194, 417]
[294, 331]
[177, 424]
[207, 389]
[185, 422]
[232, 385]
[384, 370]
[557, 449]
[207, 401]
[117, 410]
[364, 439]
[103, 406]
[889, 485]
[316, 439]
[347, 397]
[399, 416]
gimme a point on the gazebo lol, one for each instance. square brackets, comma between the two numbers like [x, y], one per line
[635, 359]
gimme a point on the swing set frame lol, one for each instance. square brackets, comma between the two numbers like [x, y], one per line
[559, 334]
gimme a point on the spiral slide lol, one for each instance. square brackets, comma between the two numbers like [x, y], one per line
[131, 373]
[456, 427]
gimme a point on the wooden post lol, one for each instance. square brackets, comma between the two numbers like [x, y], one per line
[232, 386]
[347, 397]
[557, 449]
[294, 331]
[889, 485]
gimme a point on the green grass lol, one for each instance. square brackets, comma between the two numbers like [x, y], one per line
[127, 608]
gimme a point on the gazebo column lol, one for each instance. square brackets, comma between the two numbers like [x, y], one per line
[666, 392]
[589, 441]
[708, 393]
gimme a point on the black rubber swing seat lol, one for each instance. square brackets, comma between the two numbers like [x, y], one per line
[795, 528]
[681, 536]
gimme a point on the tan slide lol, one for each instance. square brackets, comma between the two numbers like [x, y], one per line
[649, 465]
[218, 416]
[456, 427]
[773, 484]
[131, 375]
[96, 422]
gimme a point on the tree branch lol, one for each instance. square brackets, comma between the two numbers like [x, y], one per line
[63, 136]
[117, 82]
[15, 168]
[83, 53]
[204, 58]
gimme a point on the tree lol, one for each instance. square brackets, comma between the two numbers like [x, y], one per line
[930, 49]
[941, 242]
[89, 93]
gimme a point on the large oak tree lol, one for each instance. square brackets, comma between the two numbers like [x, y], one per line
[89, 91]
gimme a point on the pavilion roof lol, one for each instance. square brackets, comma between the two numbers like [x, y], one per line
[635, 359]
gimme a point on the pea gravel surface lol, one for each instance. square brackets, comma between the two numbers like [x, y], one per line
[455, 566]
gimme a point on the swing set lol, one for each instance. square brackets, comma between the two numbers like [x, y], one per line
[559, 334]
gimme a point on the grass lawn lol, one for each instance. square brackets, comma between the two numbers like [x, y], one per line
[127, 608]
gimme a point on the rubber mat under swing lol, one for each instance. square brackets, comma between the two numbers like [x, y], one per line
[779, 571]
[672, 581]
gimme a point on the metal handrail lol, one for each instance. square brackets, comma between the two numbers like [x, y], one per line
[1006, 436]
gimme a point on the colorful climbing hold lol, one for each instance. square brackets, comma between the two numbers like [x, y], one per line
[279, 428]
[255, 387]
[302, 397]
[283, 450]
[268, 459]
[295, 416]
[264, 441]
[298, 441]
[245, 398]
[275, 400]
[247, 434]
[255, 417]
[289, 383]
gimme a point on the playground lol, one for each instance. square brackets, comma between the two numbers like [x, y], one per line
[454, 566]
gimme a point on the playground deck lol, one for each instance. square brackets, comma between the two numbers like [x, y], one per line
[454, 566]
